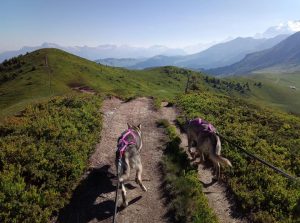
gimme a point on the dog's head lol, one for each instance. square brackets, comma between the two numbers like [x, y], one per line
[137, 128]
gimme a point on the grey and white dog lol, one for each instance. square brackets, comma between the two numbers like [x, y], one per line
[128, 157]
[204, 136]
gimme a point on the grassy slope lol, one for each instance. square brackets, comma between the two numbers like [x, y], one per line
[66, 69]
[261, 193]
[275, 91]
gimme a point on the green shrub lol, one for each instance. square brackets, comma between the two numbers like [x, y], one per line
[43, 155]
[274, 136]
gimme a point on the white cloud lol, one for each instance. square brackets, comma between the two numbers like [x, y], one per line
[288, 27]
[294, 25]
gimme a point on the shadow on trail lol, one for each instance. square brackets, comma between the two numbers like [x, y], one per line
[83, 206]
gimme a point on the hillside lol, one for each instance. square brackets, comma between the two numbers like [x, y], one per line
[276, 90]
[261, 194]
[28, 79]
[284, 57]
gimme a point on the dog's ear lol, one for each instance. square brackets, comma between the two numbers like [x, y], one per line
[140, 126]
[129, 126]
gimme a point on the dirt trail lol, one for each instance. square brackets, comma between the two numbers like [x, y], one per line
[93, 200]
[215, 192]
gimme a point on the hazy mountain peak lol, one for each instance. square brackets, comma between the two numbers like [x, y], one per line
[288, 27]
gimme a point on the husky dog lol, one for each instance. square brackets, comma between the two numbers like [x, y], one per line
[204, 136]
[128, 157]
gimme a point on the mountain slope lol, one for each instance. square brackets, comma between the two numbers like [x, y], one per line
[227, 53]
[27, 79]
[284, 56]
[221, 54]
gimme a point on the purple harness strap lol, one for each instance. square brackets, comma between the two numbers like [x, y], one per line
[202, 122]
[122, 144]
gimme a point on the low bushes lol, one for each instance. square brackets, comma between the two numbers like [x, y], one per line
[260, 192]
[43, 154]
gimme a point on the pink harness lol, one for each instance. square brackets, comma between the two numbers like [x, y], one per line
[122, 143]
[199, 121]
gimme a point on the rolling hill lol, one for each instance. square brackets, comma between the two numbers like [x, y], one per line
[283, 57]
[27, 79]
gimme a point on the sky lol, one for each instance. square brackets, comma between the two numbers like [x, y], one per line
[172, 23]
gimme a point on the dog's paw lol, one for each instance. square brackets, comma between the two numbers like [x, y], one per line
[125, 204]
[144, 188]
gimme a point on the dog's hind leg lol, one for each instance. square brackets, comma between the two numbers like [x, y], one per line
[217, 170]
[190, 145]
[126, 172]
[125, 202]
[199, 149]
[138, 177]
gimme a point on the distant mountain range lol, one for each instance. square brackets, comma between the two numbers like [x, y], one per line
[237, 56]
[102, 51]
[221, 54]
[285, 56]
[122, 62]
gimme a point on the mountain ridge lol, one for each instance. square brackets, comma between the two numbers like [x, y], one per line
[215, 56]
[284, 56]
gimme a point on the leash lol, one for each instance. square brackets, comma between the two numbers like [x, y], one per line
[117, 189]
[276, 169]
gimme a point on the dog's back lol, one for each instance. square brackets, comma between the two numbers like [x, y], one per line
[129, 147]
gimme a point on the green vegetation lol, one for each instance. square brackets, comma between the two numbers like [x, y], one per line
[33, 81]
[44, 150]
[27, 79]
[227, 86]
[276, 91]
[187, 201]
[265, 195]
[43, 154]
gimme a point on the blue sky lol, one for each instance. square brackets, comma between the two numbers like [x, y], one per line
[174, 23]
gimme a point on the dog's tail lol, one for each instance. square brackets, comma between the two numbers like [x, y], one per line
[223, 161]
[216, 155]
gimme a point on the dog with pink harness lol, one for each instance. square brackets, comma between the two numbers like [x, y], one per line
[128, 157]
[204, 136]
